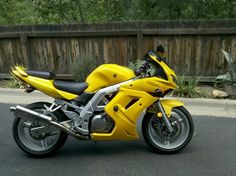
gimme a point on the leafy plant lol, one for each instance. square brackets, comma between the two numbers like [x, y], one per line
[82, 67]
[134, 65]
[13, 82]
[76, 11]
[230, 76]
[187, 87]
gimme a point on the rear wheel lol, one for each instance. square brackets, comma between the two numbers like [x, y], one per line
[160, 139]
[38, 143]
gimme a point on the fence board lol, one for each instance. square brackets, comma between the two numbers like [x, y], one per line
[192, 47]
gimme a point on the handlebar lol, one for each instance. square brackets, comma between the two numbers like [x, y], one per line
[142, 69]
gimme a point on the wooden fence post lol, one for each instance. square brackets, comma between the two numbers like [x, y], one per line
[26, 50]
[140, 44]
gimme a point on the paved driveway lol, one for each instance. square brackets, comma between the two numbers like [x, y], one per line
[211, 152]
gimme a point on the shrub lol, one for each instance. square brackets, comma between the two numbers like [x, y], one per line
[187, 87]
[13, 82]
[229, 77]
[82, 67]
[134, 65]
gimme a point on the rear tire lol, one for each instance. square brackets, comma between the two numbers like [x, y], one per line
[43, 145]
[160, 140]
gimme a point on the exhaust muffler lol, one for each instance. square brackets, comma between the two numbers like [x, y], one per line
[28, 114]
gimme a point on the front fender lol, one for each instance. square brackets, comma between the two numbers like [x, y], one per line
[168, 105]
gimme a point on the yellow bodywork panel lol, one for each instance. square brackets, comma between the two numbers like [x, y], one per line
[168, 105]
[124, 109]
[169, 72]
[126, 117]
[107, 75]
[150, 84]
[44, 85]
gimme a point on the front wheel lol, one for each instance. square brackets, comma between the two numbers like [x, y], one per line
[160, 139]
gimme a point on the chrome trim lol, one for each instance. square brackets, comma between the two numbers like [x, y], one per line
[23, 112]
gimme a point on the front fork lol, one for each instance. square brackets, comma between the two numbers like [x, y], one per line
[164, 117]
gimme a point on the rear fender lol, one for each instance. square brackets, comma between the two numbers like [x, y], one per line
[44, 85]
[168, 105]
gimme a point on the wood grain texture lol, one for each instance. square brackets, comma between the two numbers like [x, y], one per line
[192, 47]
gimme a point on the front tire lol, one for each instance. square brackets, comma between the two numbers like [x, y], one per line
[160, 139]
[38, 145]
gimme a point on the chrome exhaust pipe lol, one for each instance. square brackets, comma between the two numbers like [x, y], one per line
[28, 114]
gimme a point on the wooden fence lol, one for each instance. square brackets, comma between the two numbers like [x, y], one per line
[193, 47]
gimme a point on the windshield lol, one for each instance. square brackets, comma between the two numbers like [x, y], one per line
[156, 69]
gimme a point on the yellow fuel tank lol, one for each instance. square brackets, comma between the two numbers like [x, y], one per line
[107, 75]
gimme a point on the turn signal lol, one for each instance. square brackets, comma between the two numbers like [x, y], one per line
[159, 114]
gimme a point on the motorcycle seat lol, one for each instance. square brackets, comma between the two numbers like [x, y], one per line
[71, 87]
[41, 74]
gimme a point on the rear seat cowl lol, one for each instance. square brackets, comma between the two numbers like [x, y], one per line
[41, 74]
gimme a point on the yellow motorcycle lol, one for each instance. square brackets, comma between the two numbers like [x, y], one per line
[106, 106]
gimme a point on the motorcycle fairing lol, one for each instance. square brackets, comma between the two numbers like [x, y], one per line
[150, 85]
[126, 115]
[169, 72]
[125, 109]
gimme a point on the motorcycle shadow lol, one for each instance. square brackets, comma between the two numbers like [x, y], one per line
[97, 148]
